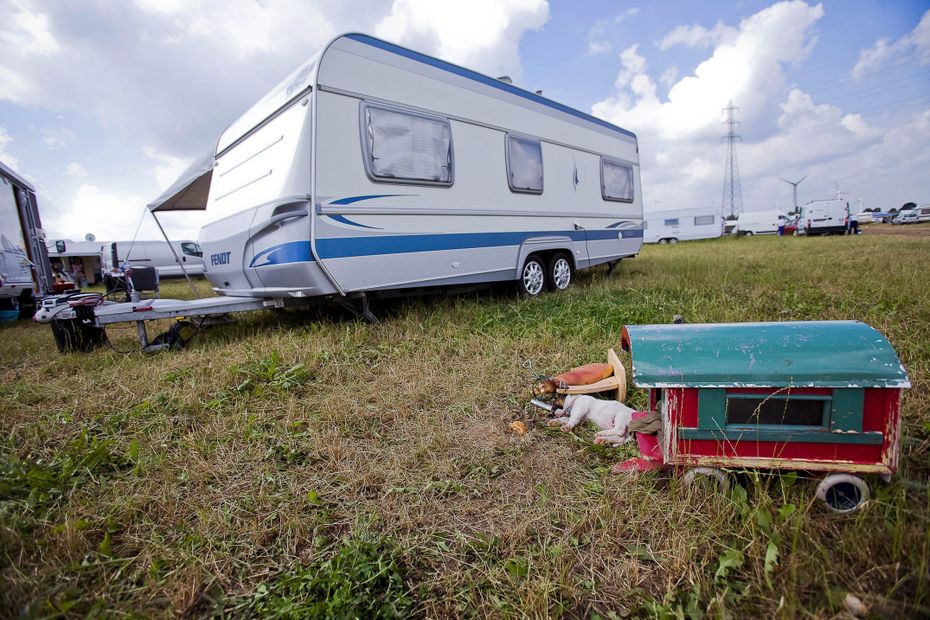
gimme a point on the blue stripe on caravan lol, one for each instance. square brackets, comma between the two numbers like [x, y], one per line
[345, 220]
[293, 252]
[347, 247]
[488, 81]
[351, 199]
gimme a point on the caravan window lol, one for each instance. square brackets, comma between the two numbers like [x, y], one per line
[703, 220]
[524, 165]
[671, 222]
[616, 180]
[404, 147]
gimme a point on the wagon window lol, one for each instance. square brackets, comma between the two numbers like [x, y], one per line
[616, 180]
[401, 146]
[524, 165]
[703, 220]
[775, 410]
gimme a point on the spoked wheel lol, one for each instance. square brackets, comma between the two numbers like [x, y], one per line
[560, 272]
[843, 493]
[532, 280]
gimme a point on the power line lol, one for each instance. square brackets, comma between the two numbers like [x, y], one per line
[732, 192]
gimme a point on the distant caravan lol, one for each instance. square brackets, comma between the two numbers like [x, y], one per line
[674, 225]
[376, 168]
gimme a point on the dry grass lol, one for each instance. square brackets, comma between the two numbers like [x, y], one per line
[218, 477]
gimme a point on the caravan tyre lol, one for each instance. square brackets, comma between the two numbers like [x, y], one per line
[673, 240]
[560, 272]
[748, 233]
[663, 241]
[532, 280]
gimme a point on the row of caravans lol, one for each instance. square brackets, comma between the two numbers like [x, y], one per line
[98, 257]
[25, 275]
[374, 167]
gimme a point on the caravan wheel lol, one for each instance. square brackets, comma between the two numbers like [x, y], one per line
[532, 280]
[663, 241]
[560, 272]
[673, 240]
[698, 475]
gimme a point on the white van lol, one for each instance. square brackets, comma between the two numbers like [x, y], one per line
[157, 254]
[824, 217]
[760, 222]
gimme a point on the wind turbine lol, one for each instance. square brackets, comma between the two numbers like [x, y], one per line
[794, 185]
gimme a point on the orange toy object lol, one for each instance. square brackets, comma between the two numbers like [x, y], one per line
[587, 379]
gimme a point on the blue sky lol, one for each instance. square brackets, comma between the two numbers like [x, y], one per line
[102, 104]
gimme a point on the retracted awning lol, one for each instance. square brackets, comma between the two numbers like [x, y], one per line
[190, 191]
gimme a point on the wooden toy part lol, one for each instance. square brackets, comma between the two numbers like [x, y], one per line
[616, 382]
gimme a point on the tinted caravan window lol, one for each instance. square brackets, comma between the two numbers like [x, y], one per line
[524, 165]
[402, 146]
[616, 180]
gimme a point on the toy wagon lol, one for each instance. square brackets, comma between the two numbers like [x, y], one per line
[816, 396]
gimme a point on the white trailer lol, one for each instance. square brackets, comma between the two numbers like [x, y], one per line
[374, 168]
[674, 225]
[25, 274]
[824, 217]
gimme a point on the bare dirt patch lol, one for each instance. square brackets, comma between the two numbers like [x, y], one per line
[901, 230]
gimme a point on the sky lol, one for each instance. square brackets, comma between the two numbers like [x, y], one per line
[104, 102]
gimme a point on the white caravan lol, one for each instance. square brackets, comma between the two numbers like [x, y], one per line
[674, 225]
[25, 274]
[760, 222]
[374, 167]
[824, 217]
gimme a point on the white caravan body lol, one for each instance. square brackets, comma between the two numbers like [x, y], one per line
[824, 217]
[25, 274]
[375, 167]
[673, 225]
[760, 222]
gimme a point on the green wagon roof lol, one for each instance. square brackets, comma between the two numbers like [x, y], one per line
[794, 354]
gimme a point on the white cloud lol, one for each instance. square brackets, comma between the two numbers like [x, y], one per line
[5, 156]
[56, 138]
[25, 31]
[669, 77]
[696, 35]
[680, 148]
[598, 35]
[75, 169]
[917, 42]
[166, 76]
[480, 34]
[596, 42]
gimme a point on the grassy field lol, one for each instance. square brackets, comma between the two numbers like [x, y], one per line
[291, 465]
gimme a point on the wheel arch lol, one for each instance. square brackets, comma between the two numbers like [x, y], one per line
[545, 248]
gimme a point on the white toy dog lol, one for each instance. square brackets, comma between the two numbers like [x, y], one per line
[612, 417]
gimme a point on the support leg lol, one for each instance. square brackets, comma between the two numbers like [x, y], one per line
[612, 265]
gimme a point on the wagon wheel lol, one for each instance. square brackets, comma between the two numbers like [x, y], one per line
[696, 475]
[843, 493]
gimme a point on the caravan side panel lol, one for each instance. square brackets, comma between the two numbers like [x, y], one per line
[374, 234]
